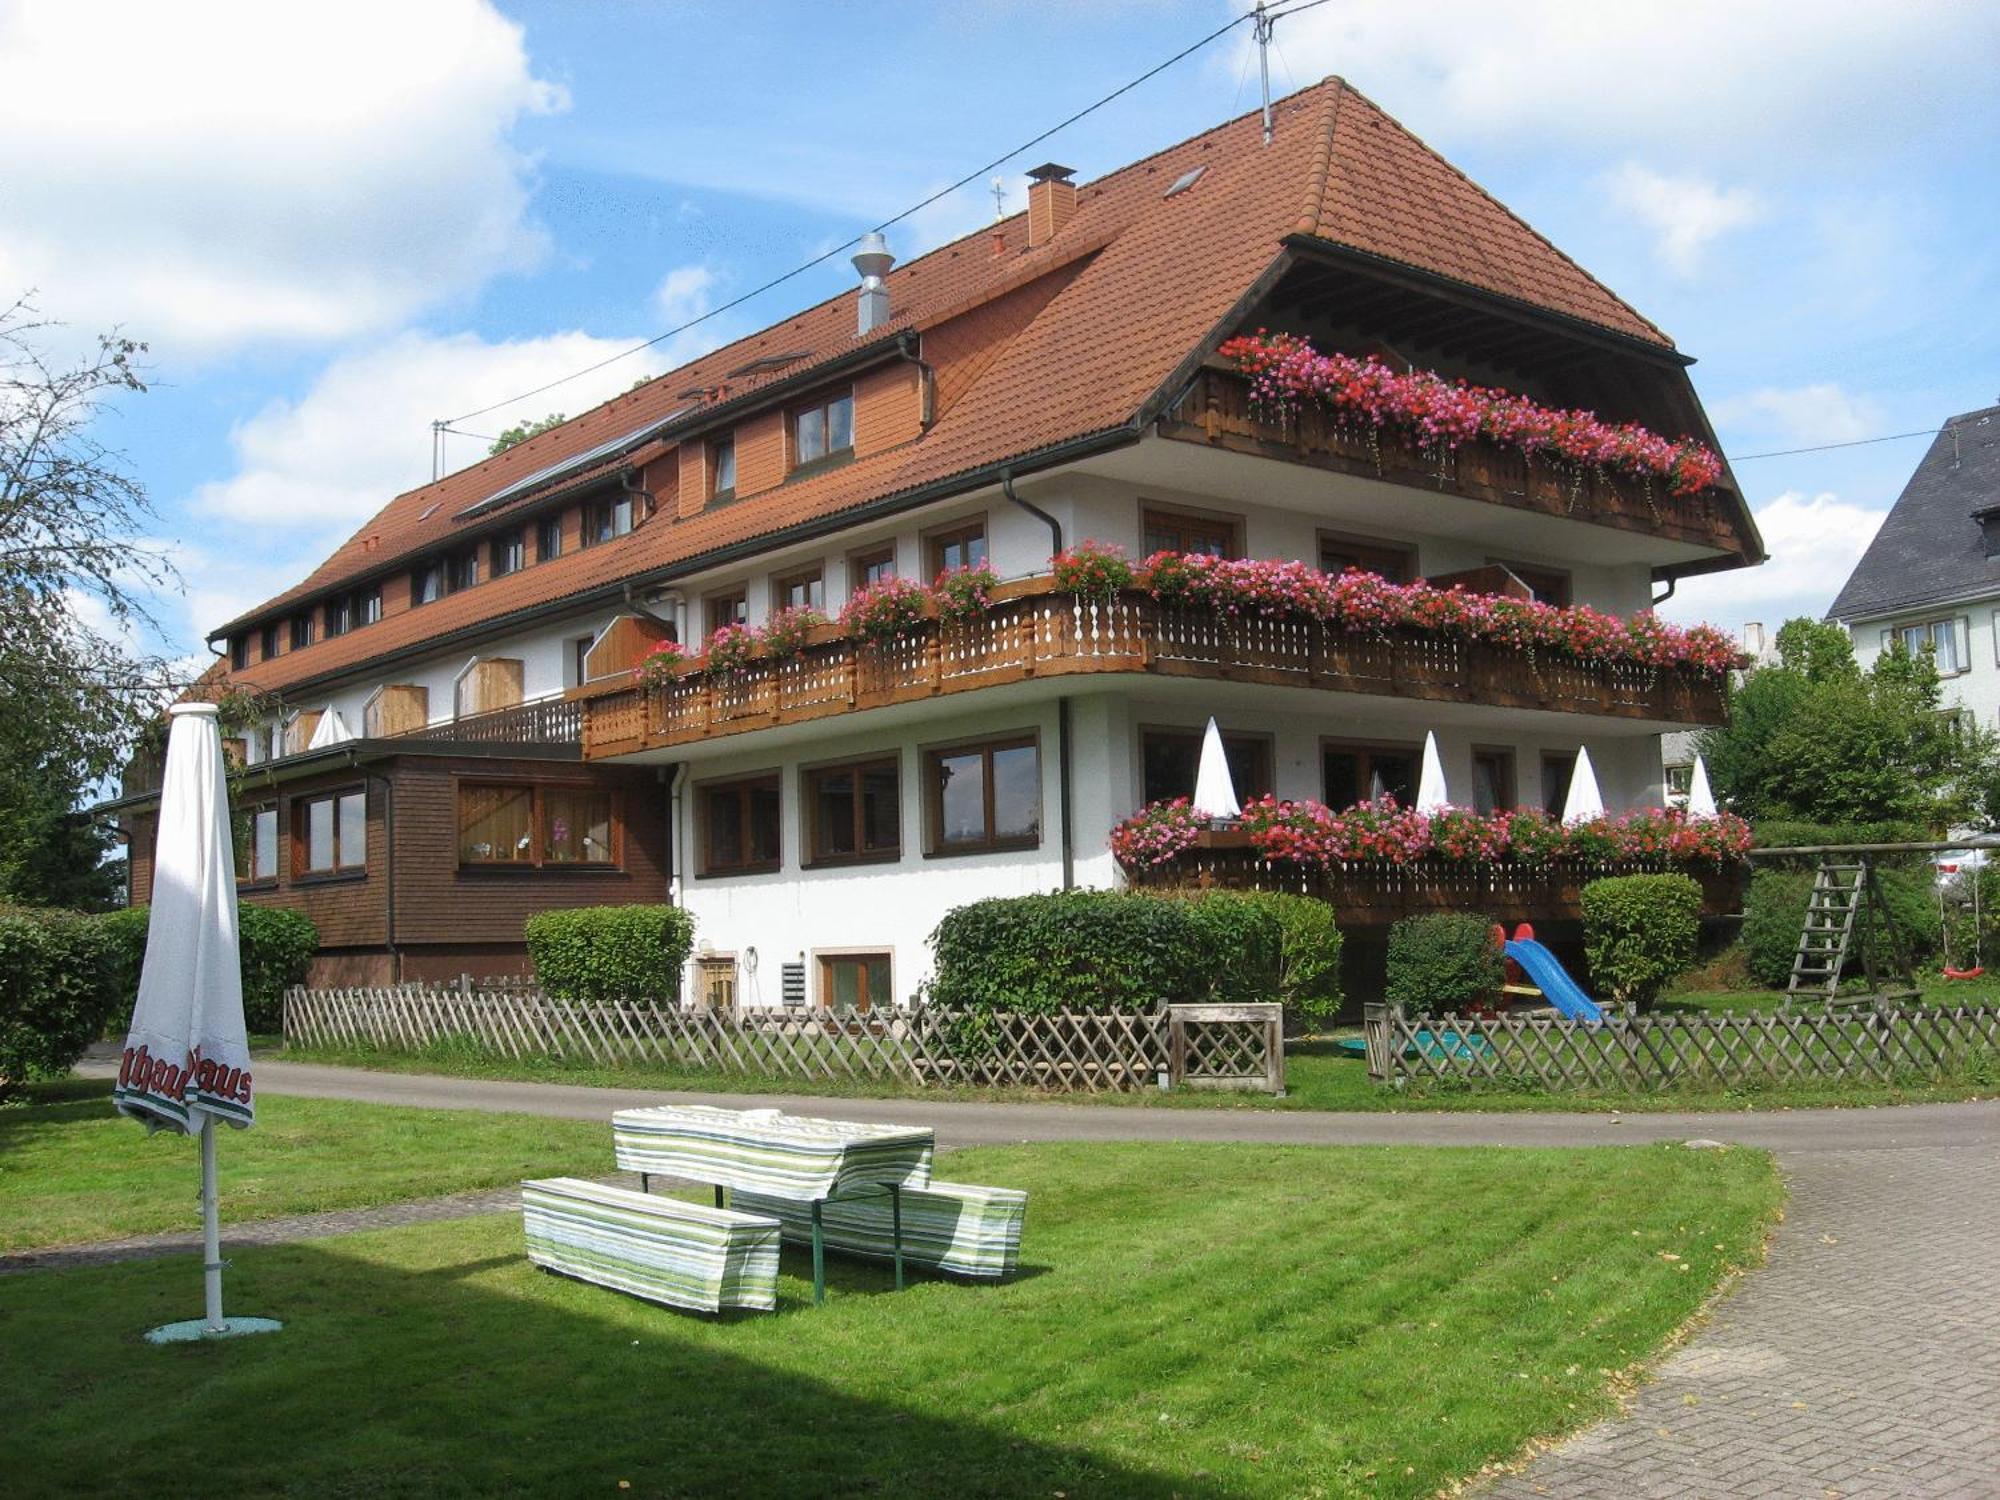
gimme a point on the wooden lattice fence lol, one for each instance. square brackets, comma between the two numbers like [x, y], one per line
[1660, 1051]
[1069, 1051]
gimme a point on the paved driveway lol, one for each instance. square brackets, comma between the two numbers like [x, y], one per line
[1863, 1361]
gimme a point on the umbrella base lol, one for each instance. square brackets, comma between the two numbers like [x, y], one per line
[195, 1330]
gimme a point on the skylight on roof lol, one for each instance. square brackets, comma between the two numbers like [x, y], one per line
[573, 464]
[768, 363]
[1185, 181]
[430, 510]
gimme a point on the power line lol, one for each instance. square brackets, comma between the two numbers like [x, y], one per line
[1744, 458]
[944, 192]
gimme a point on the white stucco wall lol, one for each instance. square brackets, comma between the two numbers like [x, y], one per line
[1975, 689]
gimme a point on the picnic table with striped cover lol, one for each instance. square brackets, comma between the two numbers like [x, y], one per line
[776, 1155]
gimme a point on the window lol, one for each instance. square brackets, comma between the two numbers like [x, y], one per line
[854, 981]
[426, 583]
[508, 553]
[368, 606]
[548, 538]
[1557, 768]
[1680, 780]
[1942, 636]
[527, 826]
[961, 547]
[330, 834]
[239, 651]
[1393, 561]
[853, 812]
[722, 468]
[1167, 531]
[257, 854]
[1361, 773]
[1169, 759]
[302, 632]
[339, 615]
[732, 608]
[1492, 780]
[267, 644]
[1549, 585]
[462, 571]
[878, 563]
[605, 520]
[825, 431]
[739, 826]
[579, 659]
[803, 589]
[984, 797]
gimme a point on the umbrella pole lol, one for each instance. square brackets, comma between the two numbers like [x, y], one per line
[211, 1233]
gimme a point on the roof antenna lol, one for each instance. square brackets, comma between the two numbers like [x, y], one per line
[999, 191]
[437, 451]
[1264, 24]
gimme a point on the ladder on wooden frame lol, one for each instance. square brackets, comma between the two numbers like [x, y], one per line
[1846, 906]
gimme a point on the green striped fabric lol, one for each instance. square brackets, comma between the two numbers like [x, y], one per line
[762, 1151]
[682, 1254]
[950, 1226]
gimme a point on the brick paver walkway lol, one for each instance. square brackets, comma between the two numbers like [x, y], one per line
[1862, 1362]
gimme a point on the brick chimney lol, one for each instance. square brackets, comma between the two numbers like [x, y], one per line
[1051, 202]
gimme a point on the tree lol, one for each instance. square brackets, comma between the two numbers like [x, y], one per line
[521, 432]
[1814, 738]
[72, 694]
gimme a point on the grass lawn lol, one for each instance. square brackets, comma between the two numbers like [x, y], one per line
[1196, 1321]
[72, 1170]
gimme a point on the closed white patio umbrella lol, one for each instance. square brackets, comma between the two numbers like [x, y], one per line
[1431, 794]
[1214, 791]
[186, 1062]
[1701, 800]
[331, 730]
[1584, 801]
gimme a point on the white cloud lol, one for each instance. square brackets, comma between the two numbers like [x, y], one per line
[685, 292]
[1813, 541]
[1799, 416]
[215, 173]
[1697, 75]
[1686, 212]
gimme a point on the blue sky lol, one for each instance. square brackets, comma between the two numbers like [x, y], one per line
[335, 223]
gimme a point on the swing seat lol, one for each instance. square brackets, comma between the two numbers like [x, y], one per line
[1976, 971]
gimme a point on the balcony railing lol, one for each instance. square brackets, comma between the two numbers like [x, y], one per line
[1377, 893]
[1217, 410]
[1034, 631]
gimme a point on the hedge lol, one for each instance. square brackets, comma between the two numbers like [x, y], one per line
[58, 988]
[1774, 911]
[1307, 978]
[1781, 834]
[1109, 950]
[1640, 932]
[276, 948]
[1443, 963]
[611, 953]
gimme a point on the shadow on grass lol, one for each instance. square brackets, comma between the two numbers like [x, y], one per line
[477, 1375]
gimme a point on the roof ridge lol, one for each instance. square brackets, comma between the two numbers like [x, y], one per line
[1322, 168]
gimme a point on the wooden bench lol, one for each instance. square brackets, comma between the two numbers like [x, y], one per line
[663, 1249]
[949, 1226]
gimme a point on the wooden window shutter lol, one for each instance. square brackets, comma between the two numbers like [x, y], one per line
[399, 708]
[495, 683]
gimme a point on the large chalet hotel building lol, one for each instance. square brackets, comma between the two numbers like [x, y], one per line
[458, 739]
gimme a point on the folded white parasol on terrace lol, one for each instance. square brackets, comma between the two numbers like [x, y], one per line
[1701, 800]
[186, 1062]
[1431, 794]
[1214, 792]
[1584, 801]
[331, 730]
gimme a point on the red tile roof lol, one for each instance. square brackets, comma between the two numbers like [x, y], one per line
[1082, 355]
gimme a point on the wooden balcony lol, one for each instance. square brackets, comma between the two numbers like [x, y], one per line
[1034, 631]
[1376, 894]
[1216, 410]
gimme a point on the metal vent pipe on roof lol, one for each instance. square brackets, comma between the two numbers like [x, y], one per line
[873, 260]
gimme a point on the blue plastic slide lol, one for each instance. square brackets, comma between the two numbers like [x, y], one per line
[1553, 979]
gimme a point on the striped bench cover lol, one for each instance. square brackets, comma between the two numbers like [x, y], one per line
[662, 1249]
[762, 1151]
[951, 1226]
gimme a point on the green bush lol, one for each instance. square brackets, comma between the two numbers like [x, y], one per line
[57, 989]
[1307, 979]
[276, 947]
[611, 953]
[1774, 911]
[1773, 833]
[1442, 963]
[1639, 932]
[1105, 950]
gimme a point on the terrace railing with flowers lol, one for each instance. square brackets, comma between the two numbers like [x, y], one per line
[1277, 395]
[1186, 616]
[1378, 862]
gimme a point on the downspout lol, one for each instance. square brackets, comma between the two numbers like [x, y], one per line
[1065, 762]
[639, 607]
[388, 868]
[674, 785]
[906, 348]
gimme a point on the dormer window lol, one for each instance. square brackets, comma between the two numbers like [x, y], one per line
[368, 606]
[722, 468]
[427, 583]
[824, 431]
[302, 632]
[239, 652]
[1988, 518]
[548, 538]
[268, 643]
[606, 520]
[509, 554]
[462, 571]
[339, 616]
